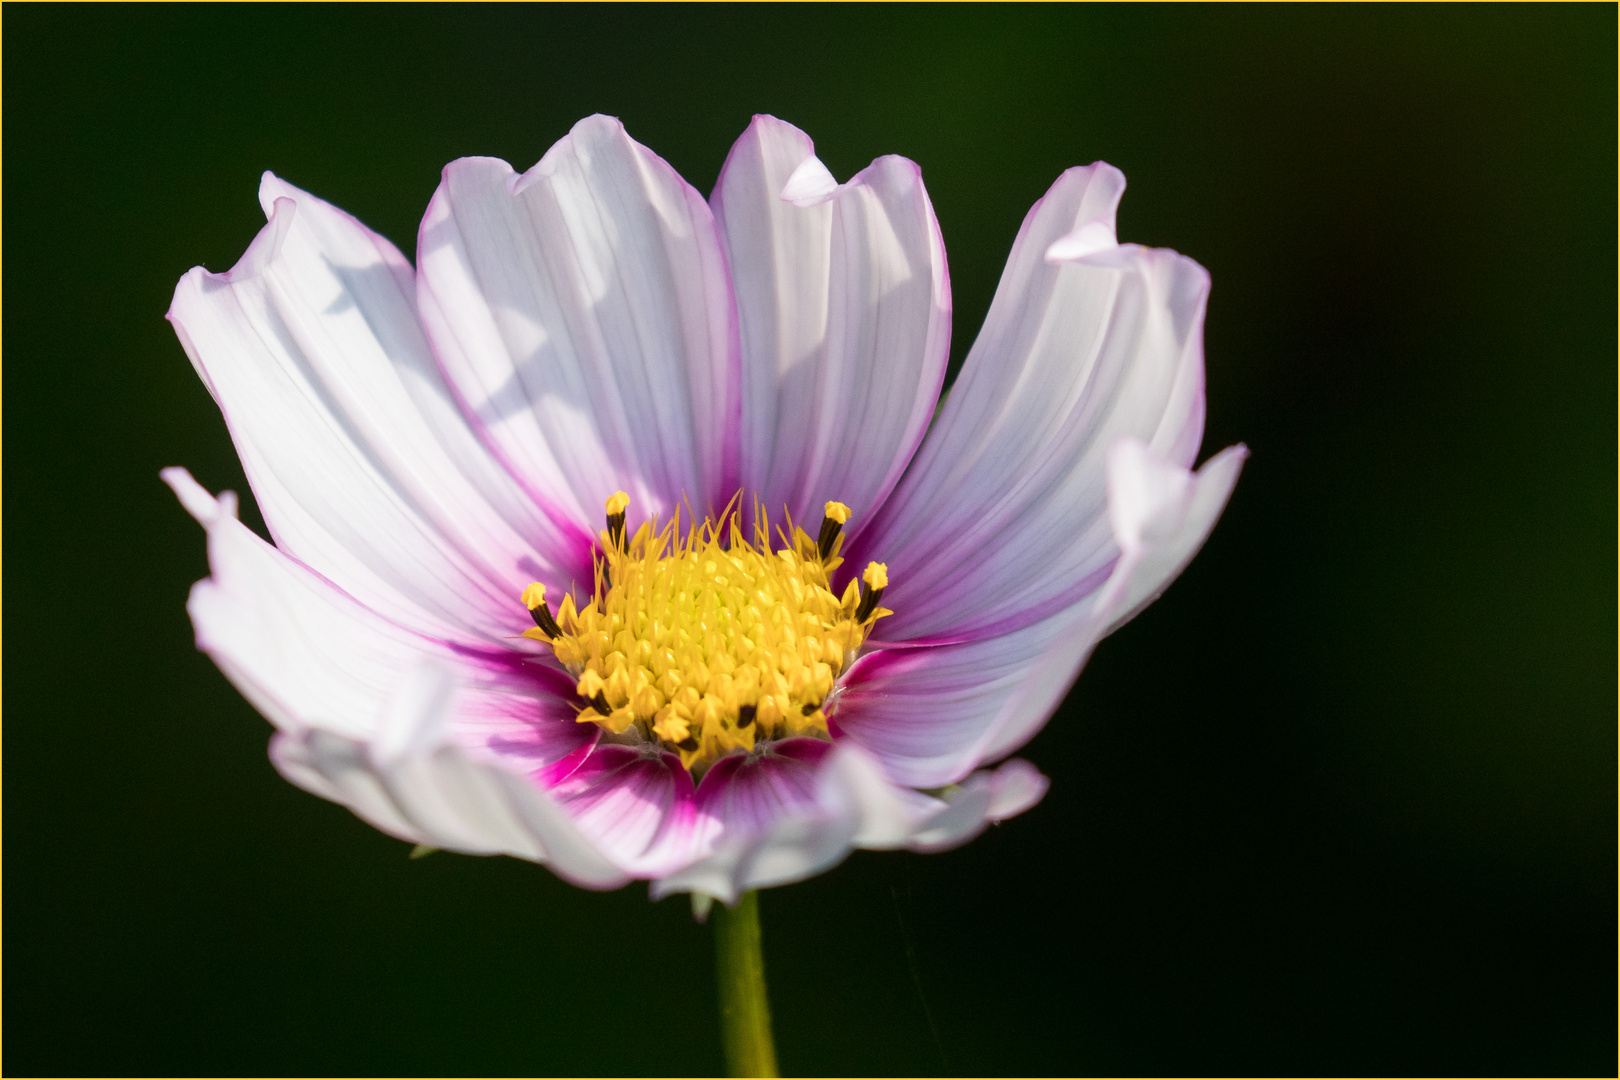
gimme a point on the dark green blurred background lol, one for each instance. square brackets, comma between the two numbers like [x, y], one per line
[1342, 802]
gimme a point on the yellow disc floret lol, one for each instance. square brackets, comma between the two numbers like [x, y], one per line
[711, 642]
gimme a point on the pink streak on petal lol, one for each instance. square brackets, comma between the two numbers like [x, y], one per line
[928, 713]
[623, 797]
[747, 793]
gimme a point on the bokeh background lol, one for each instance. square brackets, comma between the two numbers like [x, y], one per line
[1343, 801]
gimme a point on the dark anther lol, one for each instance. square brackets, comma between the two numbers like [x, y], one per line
[688, 744]
[599, 703]
[831, 525]
[810, 707]
[830, 529]
[869, 602]
[615, 507]
[745, 715]
[545, 620]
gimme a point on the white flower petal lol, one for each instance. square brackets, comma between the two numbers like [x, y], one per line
[888, 814]
[1000, 521]
[844, 311]
[934, 713]
[780, 260]
[793, 830]
[335, 767]
[963, 818]
[796, 847]
[583, 313]
[360, 460]
[1015, 786]
[928, 713]
[855, 805]
[301, 651]
[1160, 522]
[445, 799]
[982, 798]
[369, 712]
[309, 656]
[1161, 515]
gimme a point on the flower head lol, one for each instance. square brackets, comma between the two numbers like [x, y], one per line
[544, 581]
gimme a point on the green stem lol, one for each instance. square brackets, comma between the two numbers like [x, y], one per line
[739, 965]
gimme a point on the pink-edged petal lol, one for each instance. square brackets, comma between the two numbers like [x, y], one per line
[368, 712]
[844, 309]
[934, 713]
[1000, 521]
[414, 781]
[583, 313]
[358, 455]
[309, 656]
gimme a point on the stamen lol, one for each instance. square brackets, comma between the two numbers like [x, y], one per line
[831, 525]
[874, 579]
[534, 598]
[617, 503]
[711, 643]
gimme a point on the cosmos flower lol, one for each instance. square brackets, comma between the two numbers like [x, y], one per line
[628, 533]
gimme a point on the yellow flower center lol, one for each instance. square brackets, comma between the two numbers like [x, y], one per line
[713, 642]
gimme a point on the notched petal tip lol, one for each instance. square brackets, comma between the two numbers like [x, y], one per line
[1100, 188]
[272, 188]
[1088, 238]
[264, 249]
[593, 129]
[810, 185]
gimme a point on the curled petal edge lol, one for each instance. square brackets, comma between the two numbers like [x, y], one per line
[413, 782]
[857, 806]
[811, 184]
